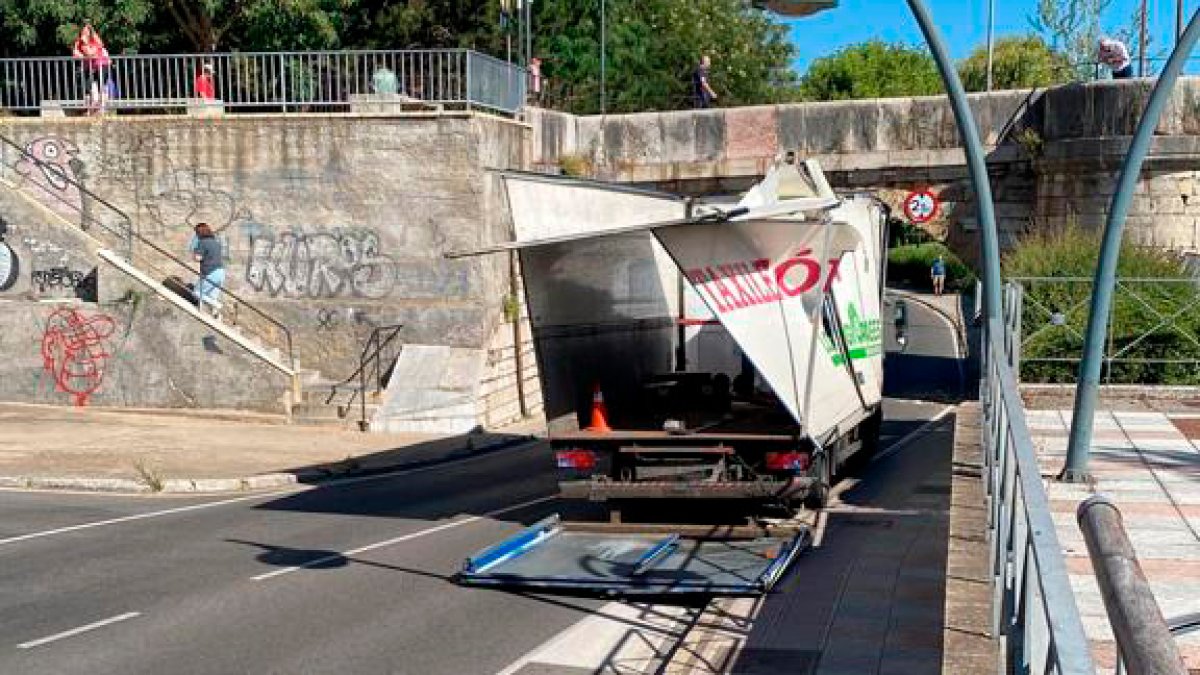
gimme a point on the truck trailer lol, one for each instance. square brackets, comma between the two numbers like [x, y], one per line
[699, 349]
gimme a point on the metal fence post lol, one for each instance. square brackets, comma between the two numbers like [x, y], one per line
[1079, 445]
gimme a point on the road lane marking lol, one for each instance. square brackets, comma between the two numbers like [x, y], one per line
[910, 436]
[403, 538]
[256, 495]
[127, 519]
[76, 631]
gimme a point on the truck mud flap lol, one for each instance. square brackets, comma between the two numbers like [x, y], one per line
[548, 557]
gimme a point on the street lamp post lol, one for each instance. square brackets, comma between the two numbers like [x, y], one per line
[603, 57]
[991, 40]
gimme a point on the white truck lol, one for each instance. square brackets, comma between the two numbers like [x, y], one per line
[734, 351]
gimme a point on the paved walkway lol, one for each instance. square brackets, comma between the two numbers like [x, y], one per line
[149, 451]
[1149, 464]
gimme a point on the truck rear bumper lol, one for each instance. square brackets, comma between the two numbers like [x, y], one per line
[595, 490]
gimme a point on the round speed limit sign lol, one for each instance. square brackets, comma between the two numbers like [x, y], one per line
[920, 206]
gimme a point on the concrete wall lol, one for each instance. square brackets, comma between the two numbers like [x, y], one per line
[331, 224]
[138, 351]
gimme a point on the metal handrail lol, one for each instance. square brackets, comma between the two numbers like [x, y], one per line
[325, 81]
[130, 234]
[1033, 604]
[367, 358]
[1143, 638]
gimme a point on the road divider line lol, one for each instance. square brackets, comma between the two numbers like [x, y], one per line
[915, 433]
[401, 539]
[257, 495]
[76, 631]
[127, 519]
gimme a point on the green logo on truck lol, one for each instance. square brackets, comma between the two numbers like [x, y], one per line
[864, 338]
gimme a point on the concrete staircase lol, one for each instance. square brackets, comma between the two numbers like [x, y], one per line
[342, 411]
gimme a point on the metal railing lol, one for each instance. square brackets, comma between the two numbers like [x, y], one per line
[326, 81]
[377, 359]
[68, 197]
[1152, 334]
[1144, 640]
[1034, 607]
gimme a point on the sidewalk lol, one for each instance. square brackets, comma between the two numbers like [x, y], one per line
[1149, 464]
[156, 451]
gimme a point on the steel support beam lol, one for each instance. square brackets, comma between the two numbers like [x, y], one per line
[1088, 389]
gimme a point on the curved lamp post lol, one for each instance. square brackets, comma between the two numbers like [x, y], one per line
[1082, 420]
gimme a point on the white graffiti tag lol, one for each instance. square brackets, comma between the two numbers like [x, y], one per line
[321, 265]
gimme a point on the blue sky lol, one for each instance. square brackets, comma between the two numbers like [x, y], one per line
[963, 23]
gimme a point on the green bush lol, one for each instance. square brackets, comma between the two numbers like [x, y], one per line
[909, 265]
[1156, 311]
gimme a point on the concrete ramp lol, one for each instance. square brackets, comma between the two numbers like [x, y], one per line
[433, 389]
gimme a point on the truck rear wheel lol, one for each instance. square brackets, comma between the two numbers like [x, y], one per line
[818, 494]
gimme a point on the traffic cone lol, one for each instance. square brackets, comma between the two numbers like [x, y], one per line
[599, 413]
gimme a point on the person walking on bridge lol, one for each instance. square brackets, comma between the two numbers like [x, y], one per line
[702, 91]
[1114, 55]
[206, 249]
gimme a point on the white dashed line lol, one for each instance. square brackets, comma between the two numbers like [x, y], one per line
[76, 631]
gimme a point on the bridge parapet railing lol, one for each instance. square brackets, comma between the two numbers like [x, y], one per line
[1034, 608]
[309, 81]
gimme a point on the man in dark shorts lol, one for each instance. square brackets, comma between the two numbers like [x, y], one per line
[702, 91]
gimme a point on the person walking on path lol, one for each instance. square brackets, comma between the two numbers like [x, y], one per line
[702, 91]
[1114, 55]
[90, 49]
[938, 272]
[206, 249]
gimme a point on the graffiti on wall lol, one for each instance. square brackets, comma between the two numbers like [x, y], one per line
[10, 265]
[55, 173]
[75, 351]
[57, 277]
[320, 265]
[56, 270]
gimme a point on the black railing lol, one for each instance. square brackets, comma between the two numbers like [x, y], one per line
[371, 360]
[67, 191]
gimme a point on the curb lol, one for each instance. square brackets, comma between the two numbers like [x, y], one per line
[264, 481]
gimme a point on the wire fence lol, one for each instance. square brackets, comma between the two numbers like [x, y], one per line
[329, 81]
[1153, 333]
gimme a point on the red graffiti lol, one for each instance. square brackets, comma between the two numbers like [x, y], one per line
[74, 351]
[737, 285]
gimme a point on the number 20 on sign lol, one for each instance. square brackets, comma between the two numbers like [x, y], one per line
[920, 206]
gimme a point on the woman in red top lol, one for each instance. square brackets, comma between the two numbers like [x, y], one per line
[90, 48]
[204, 85]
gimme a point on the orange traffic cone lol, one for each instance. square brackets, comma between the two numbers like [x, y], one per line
[599, 413]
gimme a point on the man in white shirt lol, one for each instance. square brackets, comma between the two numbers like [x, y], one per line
[1114, 55]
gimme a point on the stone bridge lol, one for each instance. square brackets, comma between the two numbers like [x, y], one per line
[1053, 154]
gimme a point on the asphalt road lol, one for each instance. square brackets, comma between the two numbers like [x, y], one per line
[930, 364]
[347, 578]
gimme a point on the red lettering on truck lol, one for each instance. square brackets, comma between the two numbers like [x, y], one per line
[730, 286]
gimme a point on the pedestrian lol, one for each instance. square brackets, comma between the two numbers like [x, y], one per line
[1114, 55]
[702, 92]
[204, 85]
[535, 80]
[90, 49]
[206, 249]
[383, 81]
[938, 272]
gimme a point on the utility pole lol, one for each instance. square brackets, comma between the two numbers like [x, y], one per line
[1178, 20]
[603, 57]
[991, 40]
[1142, 41]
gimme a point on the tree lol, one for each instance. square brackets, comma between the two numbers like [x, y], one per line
[1074, 29]
[653, 47]
[49, 27]
[873, 69]
[1021, 62]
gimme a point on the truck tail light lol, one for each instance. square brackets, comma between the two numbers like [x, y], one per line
[580, 460]
[787, 461]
